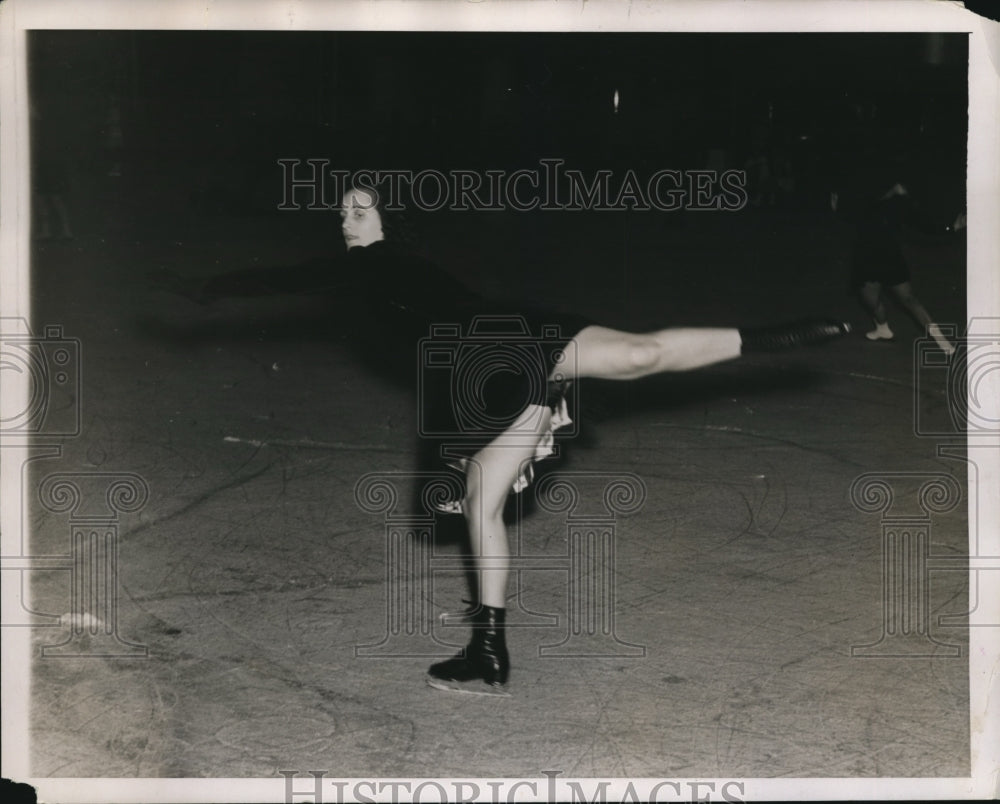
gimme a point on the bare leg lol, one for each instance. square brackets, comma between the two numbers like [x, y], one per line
[614, 355]
[489, 477]
[595, 352]
[904, 292]
[871, 298]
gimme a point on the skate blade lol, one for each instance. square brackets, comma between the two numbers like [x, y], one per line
[467, 687]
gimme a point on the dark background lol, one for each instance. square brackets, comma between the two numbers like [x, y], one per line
[252, 574]
[217, 109]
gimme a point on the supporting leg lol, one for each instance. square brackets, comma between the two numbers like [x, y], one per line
[489, 477]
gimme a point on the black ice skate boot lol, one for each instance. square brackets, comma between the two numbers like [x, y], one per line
[787, 336]
[483, 667]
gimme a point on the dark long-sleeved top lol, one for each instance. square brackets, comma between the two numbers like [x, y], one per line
[475, 362]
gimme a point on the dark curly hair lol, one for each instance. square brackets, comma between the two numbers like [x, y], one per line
[397, 227]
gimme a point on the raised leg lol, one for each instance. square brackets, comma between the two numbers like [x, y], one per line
[614, 355]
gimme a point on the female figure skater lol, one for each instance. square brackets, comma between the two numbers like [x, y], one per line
[399, 298]
[501, 461]
[880, 205]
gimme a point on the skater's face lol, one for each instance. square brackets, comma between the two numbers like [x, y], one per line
[359, 219]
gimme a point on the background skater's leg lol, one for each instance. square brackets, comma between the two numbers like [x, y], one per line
[871, 298]
[904, 292]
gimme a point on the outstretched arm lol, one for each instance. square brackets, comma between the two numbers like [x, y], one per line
[312, 276]
[309, 277]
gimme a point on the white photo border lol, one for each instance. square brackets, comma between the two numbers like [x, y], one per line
[17, 17]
